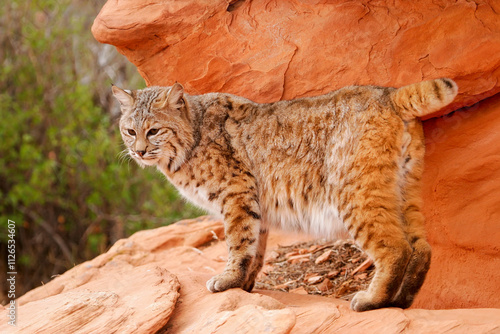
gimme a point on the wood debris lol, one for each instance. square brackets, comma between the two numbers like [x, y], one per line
[336, 269]
[324, 257]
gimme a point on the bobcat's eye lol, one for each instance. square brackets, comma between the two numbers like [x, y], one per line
[152, 132]
[131, 132]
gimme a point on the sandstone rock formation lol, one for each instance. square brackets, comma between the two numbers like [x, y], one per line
[270, 50]
[462, 207]
[154, 282]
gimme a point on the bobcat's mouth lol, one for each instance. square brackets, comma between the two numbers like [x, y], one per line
[145, 160]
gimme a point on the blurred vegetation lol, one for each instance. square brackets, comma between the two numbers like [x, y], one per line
[61, 176]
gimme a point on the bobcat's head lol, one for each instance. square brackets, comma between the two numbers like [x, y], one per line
[155, 125]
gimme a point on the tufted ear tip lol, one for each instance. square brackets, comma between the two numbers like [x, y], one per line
[126, 100]
[175, 96]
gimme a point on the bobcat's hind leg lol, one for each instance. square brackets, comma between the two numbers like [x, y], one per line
[379, 233]
[413, 221]
[370, 206]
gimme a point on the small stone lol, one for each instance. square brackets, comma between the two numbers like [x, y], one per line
[273, 256]
[301, 260]
[324, 257]
[309, 275]
[333, 274]
[342, 289]
[361, 276]
[282, 287]
[300, 291]
[314, 279]
[325, 286]
[298, 258]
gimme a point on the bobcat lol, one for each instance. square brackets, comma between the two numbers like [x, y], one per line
[350, 160]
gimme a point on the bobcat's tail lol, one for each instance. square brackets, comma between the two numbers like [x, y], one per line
[424, 98]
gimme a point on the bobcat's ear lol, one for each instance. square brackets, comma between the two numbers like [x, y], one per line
[126, 100]
[175, 96]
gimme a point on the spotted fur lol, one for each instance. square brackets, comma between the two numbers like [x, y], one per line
[346, 162]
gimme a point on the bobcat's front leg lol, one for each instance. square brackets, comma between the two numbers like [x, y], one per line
[241, 212]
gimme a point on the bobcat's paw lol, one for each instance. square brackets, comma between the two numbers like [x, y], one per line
[363, 301]
[248, 286]
[222, 282]
[402, 301]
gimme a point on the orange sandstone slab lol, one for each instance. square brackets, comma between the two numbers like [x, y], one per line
[154, 281]
[270, 50]
[462, 208]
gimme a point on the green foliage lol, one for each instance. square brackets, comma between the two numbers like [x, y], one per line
[61, 176]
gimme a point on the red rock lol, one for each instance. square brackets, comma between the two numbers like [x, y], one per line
[360, 276]
[129, 289]
[282, 287]
[247, 319]
[325, 285]
[285, 286]
[273, 256]
[333, 274]
[340, 291]
[267, 51]
[119, 296]
[302, 260]
[299, 291]
[462, 207]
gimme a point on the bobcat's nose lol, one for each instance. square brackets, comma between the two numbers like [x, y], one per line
[140, 153]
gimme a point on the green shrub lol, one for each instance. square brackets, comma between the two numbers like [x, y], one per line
[62, 179]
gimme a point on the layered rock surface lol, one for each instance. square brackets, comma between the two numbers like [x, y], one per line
[462, 207]
[265, 50]
[154, 282]
[270, 50]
